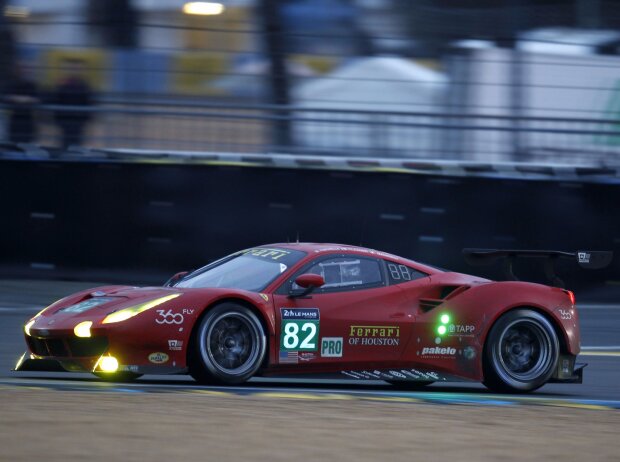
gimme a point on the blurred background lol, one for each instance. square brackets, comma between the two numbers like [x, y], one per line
[489, 80]
[491, 123]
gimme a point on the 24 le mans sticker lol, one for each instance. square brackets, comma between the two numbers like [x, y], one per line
[300, 329]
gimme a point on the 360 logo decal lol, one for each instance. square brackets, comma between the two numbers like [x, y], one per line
[168, 317]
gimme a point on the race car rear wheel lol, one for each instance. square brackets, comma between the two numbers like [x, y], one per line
[521, 353]
[229, 346]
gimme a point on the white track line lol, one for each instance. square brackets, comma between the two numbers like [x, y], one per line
[598, 306]
[600, 353]
[605, 348]
[609, 351]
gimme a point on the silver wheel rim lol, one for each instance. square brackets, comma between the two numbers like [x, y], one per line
[524, 351]
[231, 343]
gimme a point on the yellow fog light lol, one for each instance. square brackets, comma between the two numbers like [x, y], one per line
[82, 329]
[108, 364]
[29, 325]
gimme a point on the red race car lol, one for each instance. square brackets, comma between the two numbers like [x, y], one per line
[322, 310]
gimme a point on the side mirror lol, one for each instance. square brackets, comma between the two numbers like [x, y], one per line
[309, 282]
[176, 278]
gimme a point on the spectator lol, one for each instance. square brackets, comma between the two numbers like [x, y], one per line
[75, 93]
[22, 97]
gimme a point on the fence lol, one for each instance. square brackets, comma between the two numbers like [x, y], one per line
[219, 127]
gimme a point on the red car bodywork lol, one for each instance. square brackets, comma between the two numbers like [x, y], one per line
[386, 332]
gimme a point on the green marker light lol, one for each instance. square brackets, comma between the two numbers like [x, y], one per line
[445, 319]
[441, 330]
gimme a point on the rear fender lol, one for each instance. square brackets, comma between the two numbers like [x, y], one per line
[484, 304]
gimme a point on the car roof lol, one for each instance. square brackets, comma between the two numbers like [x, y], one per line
[317, 248]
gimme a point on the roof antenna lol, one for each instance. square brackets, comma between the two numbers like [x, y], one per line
[297, 237]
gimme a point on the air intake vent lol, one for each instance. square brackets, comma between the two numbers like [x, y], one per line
[427, 304]
[437, 295]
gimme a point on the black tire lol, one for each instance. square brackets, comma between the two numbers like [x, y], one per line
[521, 352]
[121, 377]
[229, 346]
[411, 385]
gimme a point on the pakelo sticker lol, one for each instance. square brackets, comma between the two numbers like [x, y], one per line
[436, 352]
[158, 358]
[300, 329]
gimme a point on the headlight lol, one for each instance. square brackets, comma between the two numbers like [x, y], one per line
[107, 364]
[132, 311]
[83, 329]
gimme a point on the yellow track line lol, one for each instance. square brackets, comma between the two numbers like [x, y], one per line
[599, 353]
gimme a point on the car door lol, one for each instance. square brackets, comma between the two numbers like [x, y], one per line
[354, 320]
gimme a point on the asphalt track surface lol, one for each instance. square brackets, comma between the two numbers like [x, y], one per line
[600, 327]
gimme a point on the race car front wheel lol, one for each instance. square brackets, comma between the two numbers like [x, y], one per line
[521, 352]
[229, 346]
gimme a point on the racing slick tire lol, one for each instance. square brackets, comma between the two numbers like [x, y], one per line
[118, 376]
[411, 385]
[521, 352]
[229, 346]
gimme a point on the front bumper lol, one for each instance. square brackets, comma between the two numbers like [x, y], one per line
[32, 363]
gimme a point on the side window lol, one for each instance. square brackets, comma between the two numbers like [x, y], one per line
[398, 274]
[347, 273]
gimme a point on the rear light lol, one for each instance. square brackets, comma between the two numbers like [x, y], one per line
[571, 297]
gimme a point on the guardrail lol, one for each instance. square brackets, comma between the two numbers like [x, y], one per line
[229, 127]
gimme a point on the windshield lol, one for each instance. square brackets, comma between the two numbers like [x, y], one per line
[252, 269]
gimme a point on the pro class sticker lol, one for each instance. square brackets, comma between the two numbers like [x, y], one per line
[300, 329]
[331, 347]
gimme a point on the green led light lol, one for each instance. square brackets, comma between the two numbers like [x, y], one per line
[441, 330]
[445, 319]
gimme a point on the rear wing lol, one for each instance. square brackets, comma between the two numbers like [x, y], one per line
[589, 259]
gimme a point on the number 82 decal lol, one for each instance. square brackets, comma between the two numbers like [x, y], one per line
[299, 329]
